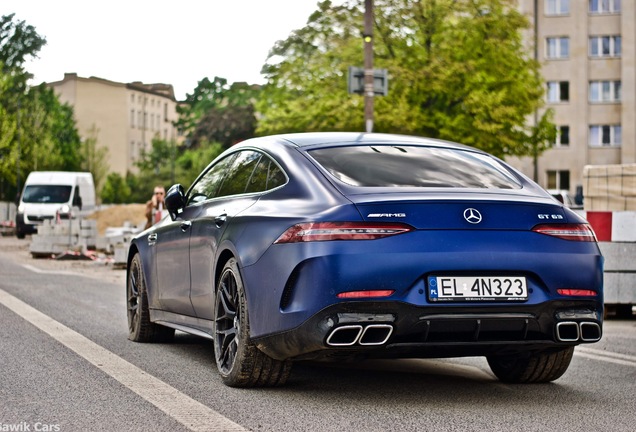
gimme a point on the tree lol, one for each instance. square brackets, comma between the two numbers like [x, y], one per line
[94, 158]
[115, 190]
[218, 112]
[186, 165]
[38, 132]
[18, 42]
[458, 71]
[227, 125]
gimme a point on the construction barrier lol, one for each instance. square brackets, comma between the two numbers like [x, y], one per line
[616, 234]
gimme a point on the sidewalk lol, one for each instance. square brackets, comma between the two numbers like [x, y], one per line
[13, 249]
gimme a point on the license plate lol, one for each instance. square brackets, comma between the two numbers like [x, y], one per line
[477, 288]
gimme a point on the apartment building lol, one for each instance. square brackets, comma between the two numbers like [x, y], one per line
[123, 117]
[587, 49]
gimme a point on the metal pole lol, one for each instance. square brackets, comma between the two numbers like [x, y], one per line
[368, 65]
[535, 150]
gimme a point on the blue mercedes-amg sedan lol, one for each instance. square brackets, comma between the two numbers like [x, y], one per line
[341, 246]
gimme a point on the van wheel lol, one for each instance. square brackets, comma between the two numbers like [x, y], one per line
[20, 235]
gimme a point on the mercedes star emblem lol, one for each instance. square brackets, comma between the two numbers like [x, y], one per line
[472, 216]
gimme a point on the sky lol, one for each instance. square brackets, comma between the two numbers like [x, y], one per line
[158, 41]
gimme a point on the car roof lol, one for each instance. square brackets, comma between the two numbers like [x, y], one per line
[335, 139]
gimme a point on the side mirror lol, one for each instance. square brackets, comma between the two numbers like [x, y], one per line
[175, 200]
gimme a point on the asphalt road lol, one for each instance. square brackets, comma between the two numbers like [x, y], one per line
[66, 365]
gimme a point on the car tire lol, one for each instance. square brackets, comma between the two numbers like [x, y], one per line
[140, 328]
[539, 367]
[239, 361]
[20, 235]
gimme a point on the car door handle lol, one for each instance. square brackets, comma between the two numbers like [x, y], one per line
[220, 220]
[185, 226]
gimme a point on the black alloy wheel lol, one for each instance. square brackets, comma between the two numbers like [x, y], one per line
[239, 362]
[540, 367]
[140, 328]
[227, 322]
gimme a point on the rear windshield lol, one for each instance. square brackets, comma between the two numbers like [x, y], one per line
[52, 194]
[414, 166]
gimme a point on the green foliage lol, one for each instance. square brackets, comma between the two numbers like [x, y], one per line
[218, 112]
[166, 164]
[18, 41]
[37, 132]
[115, 190]
[94, 158]
[227, 125]
[458, 71]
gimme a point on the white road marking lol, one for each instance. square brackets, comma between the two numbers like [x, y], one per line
[41, 271]
[187, 411]
[606, 356]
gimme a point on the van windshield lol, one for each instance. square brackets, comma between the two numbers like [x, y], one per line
[47, 194]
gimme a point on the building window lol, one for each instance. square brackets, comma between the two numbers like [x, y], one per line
[559, 180]
[605, 136]
[132, 98]
[132, 118]
[557, 47]
[140, 122]
[557, 7]
[562, 137]
[605, 91]
[604, 6]
[605, 46]
[558, 91]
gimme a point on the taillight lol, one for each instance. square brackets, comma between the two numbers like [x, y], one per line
[577, 292]
[575, 232]
[324, 231]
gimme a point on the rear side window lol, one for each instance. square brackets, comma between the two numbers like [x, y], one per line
[414, 166]
[266, 176]
[239, 173]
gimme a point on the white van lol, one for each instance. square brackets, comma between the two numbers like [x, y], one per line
[51, 194]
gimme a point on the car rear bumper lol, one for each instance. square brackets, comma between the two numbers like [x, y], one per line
[395, 329]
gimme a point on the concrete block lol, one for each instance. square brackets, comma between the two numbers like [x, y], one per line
[620, 288]
[619, 256]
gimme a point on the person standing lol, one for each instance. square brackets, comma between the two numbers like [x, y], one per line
[155, 206]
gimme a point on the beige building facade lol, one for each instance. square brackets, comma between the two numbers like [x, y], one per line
[123, 117]
[587, 50]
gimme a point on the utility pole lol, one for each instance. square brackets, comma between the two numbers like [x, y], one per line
[368, 65]
[535, 150]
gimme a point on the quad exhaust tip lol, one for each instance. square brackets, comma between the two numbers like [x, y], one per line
[570, 331]
[376, 334]
[349, 335]
[345, 336]
[590, 331]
